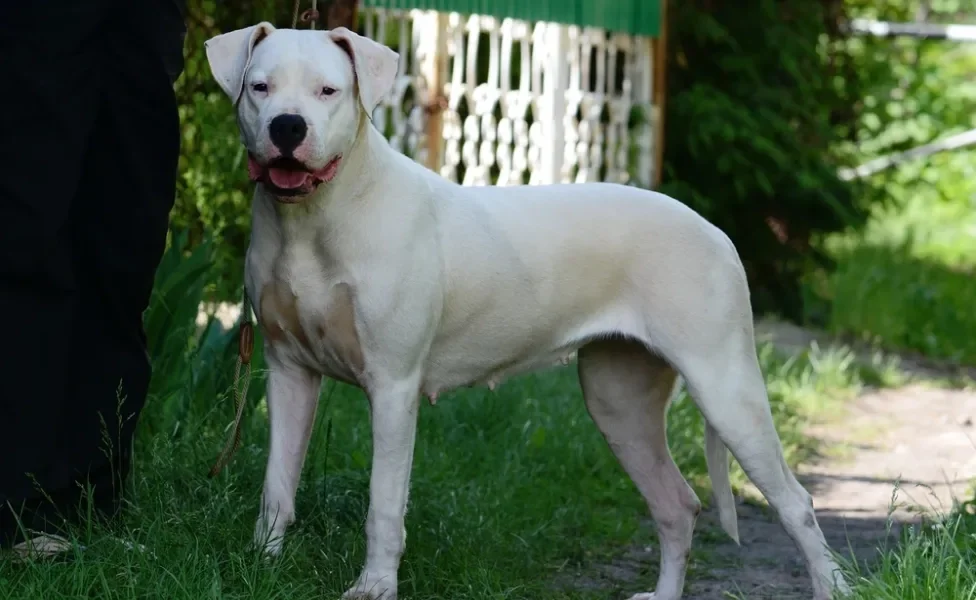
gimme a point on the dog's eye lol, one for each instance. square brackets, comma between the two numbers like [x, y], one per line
[328, 91]
[259, 87]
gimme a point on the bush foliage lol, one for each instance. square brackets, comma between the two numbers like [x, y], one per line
[761, 99]
[213, 193]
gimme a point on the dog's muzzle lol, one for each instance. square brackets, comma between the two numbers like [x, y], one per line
[288, 179]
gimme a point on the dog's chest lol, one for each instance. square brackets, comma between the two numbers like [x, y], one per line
[309, 319]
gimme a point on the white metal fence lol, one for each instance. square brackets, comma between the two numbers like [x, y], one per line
[487, 101]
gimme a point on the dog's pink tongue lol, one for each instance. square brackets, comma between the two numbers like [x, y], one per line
[287, 179]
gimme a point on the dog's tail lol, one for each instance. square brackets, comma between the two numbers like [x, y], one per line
[717, 460]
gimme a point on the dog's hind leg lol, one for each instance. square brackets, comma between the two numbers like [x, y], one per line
[293, 394]
[726, 383]
[627, 391]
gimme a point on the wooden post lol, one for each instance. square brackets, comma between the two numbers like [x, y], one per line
[341, 13]
[434, 69]
[660, 93]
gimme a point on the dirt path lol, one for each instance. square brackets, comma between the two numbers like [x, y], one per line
[903, 450]
[893, 452]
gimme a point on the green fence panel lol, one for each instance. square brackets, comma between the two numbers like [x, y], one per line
[636, 17]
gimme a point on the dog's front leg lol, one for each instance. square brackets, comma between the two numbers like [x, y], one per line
[394, 410]
[293, 394]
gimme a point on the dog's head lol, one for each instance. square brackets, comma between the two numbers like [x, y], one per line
[299, 96]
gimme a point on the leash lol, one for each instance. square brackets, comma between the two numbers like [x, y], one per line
[242, 378]
[309, 16]
[245, 334]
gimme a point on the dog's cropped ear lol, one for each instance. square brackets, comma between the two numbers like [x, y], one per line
[229, 55]
[374, 64]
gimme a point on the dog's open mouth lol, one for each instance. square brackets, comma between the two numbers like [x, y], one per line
[289, 179]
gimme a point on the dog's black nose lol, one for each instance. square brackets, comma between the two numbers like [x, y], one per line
[287, 132]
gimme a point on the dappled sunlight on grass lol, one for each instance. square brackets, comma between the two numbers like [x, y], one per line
[887, 294]
[909, 280]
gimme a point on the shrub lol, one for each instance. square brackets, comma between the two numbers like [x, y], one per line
[761, 103]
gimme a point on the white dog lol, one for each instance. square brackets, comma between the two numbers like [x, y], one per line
[366, 267]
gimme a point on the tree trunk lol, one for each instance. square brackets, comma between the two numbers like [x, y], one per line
[341, 13]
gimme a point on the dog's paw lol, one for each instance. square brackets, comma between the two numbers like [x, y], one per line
[272, 549]
[647, 596]
[268, 541]
[373, 586]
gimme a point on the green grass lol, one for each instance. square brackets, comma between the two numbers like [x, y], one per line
[935, 561]
[510, 488]
[907, 282]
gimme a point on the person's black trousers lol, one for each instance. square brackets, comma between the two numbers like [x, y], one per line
[89, 144]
